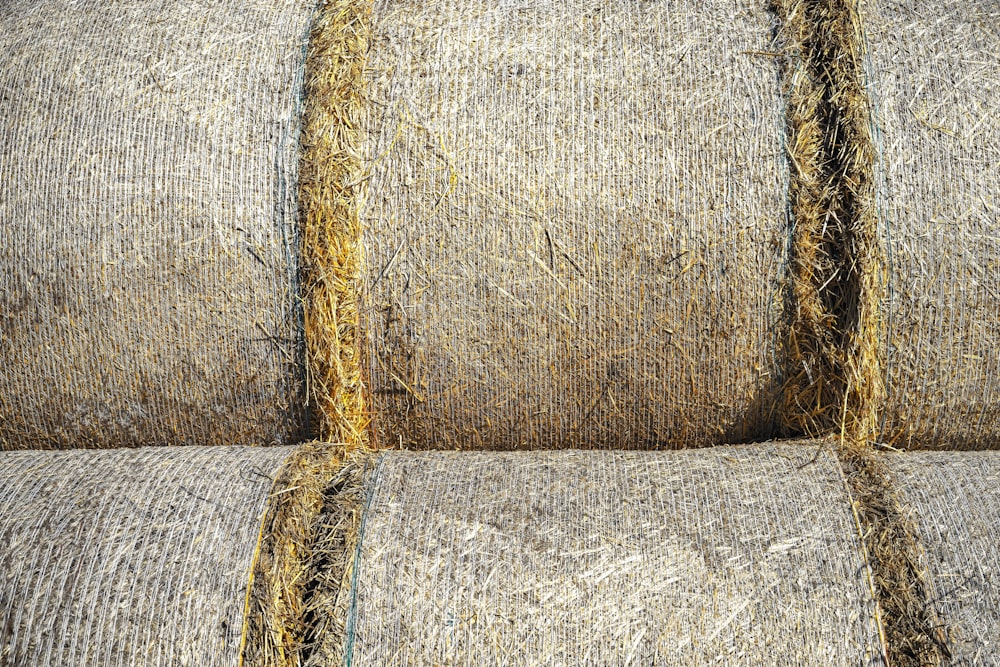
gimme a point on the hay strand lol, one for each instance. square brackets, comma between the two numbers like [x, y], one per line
[331, 194]
[574, 226]
[833, 354]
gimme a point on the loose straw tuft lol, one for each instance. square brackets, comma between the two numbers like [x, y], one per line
[331, 193]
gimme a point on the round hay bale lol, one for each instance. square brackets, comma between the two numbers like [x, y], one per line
[148, 211]
[744, 555]
[954, 501]
[169, 556]
[934, 78]
[575, 224]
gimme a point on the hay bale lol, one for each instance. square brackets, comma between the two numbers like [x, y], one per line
[744, 555]
[934, 78]
[575, 222]
[148, 213]
[129, 557]
[169, 556]
[955, 500]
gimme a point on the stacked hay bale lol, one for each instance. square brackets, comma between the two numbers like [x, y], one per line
[744, 555]
[954, 500]
[149, 261]
[157, 556]
[934, 78]
[575, 223]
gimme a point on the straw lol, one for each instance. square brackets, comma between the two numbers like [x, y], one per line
[575, 222]
[149, 254]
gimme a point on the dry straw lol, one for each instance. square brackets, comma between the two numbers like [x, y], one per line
[331, 192]
[728, 555]
[149, 252]
[833, 355]
[934, 75]
[954, 500]
[575, 223]
[189, 556]
[295, 605]
[128, 557]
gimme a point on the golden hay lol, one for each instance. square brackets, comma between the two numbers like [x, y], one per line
[294, 605]
[833, 354]
[331, 192]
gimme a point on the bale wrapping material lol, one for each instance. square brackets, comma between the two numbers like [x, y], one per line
[149, 252]
[128, 557]
[955, 502]
[196, 556]
[744, 555]
[934, 77]
[575, 222]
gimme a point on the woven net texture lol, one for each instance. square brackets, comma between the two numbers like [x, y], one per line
[129, 557]
[934, 78]
[730, 555]
[575, 223]
[955, 501]
[148, 222]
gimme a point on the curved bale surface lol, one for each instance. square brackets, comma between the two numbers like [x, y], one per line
[194, 556]
[744, 555]
[955, 501]
[129, 557]
[149, 251]
[934, 77]
[575, 223]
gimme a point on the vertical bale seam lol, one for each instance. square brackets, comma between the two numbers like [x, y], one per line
[834, 382]
[331, 194]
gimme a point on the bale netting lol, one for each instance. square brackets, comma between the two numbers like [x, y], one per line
[954, 500]
[150, 237]
[575, 223]
[730, 555]
[196, 556]
[934, 78]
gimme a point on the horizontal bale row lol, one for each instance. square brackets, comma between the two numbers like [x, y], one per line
[494, 227]
[751, 553]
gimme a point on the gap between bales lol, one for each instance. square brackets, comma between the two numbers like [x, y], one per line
[834, 382]
[331, 191]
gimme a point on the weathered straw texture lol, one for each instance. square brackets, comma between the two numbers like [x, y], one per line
[297, 597]
[833, 379]
[129, 557]
[934, 76]
[331, 191]
[733, 555]
[575, 226]
[148, 261]
[910, 625]
[955, 500]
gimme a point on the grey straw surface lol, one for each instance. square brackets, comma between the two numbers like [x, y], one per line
[575, 222]
[129, 557]
[934, 76]
[955, 502]
[731, 555]
[148, 222]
